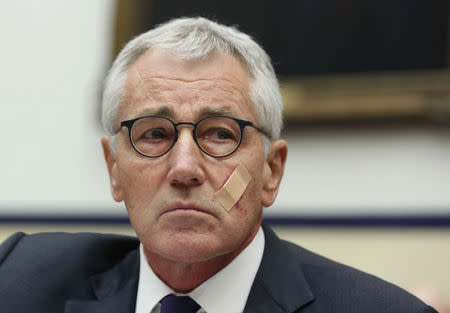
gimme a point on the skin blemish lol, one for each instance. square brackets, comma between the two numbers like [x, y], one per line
[238, 206]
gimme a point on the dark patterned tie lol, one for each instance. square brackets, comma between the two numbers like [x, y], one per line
[178, 304]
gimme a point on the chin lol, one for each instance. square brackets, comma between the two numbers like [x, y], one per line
[192, 249]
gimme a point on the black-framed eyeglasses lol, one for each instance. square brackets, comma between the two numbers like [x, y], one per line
[217, 136]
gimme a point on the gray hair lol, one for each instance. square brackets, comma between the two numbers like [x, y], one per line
[195, 39]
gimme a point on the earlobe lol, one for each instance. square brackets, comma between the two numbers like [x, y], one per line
[111, 164]
[273, 171]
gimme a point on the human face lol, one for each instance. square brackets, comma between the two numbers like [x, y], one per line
[169, 199]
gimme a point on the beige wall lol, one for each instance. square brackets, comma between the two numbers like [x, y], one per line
[406, 257]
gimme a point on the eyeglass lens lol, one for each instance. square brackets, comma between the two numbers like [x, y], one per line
[218, 136]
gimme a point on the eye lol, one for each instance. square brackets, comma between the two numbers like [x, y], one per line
[217, 134]
[222, 134]
[155, 134]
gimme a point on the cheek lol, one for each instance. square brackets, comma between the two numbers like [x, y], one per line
[233, 187]
[227, 177]
[247, 210]
[218, 178]
[239, 207]
[247, 204]
[251, 201]
[138, 181]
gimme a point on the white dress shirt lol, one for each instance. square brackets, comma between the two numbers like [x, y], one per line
[225, 292]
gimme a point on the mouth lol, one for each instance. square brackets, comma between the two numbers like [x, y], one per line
[185, 208]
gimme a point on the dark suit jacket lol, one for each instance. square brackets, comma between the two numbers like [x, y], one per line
[93, 273]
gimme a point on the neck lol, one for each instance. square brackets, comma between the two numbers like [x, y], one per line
[184, 277]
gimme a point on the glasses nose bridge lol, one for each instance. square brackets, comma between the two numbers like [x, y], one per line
[184, 123]
[175, 125]
[194, 125]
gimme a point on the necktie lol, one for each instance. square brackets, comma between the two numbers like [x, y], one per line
[178, 304]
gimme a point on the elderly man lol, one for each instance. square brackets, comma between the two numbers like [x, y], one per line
[193, 112]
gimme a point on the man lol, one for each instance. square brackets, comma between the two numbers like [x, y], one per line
[193, 112]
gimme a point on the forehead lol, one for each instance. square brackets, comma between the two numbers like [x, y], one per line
[159, 79]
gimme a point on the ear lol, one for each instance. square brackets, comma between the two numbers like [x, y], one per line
[273, 171]
[110, 158]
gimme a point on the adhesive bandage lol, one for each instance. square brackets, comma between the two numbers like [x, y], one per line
[234, 188]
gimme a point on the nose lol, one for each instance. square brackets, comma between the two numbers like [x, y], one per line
[185, 159]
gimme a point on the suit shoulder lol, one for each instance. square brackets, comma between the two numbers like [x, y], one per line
[9, 244]
[350, 287]
[54, 244]
[62, 252]
[44, 270]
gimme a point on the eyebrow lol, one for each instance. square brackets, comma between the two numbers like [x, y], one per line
[169, 112]
[161, 111]
[215, 111]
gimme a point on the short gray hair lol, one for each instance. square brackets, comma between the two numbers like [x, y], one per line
[195, 39]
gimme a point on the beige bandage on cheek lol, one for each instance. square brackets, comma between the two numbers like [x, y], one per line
[234, 188]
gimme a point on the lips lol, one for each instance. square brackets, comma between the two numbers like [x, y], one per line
[185, 207]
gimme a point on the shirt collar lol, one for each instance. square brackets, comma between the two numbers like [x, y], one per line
[226, 291]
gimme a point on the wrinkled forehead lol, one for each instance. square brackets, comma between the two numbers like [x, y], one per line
[159, 78]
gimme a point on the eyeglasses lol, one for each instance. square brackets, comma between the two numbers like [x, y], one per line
[217, 136]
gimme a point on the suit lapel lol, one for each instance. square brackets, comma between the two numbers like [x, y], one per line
[115, 289]
[279, 286]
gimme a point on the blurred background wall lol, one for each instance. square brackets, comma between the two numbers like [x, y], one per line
[366, 148]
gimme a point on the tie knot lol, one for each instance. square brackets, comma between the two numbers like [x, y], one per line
[178, 304]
